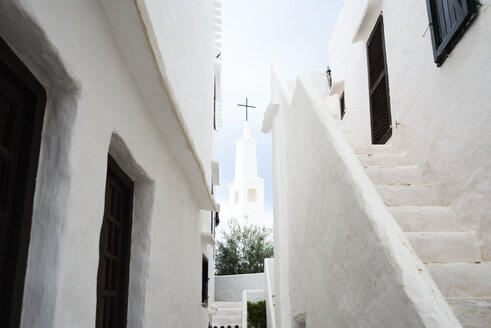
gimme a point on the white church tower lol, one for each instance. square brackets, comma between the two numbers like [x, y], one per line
[246, 193]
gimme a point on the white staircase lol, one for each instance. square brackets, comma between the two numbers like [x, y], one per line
[228, 315]
[451, 254]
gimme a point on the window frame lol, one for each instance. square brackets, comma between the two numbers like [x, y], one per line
[116, 173]
[443, 45]
[23, 191]
[205, 278]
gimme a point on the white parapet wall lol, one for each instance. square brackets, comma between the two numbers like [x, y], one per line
[348, 264]
[230, 288]
[269, 292]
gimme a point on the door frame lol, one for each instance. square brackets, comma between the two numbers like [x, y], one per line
[20, 72]
[385, 74]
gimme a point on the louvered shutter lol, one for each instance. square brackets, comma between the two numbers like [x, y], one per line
[378, 81]
[448, 20]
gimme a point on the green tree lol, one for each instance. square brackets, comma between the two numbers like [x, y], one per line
[243, 249]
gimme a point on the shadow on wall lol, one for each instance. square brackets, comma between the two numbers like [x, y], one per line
[140, 235]
[52, 190]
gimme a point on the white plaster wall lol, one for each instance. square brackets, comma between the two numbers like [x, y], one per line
[281, 95]
[269, 292]
[444, 110]
[230, 288]
[348, 262]
[185, 32]
[255, 295]
[165, 267]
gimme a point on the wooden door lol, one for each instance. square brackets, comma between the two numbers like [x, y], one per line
[22, 106]
[114, 249]
[378, 81]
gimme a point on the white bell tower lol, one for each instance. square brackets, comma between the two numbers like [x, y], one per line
[246, 193]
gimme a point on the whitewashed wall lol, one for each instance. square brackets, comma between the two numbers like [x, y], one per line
[269, 289]
[348, 264]
[185, 36]
[230, 288]
[96, 106]
[444, 111]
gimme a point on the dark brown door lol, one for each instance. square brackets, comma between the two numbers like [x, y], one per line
[114, 249]
[22, 106]
[378, 81]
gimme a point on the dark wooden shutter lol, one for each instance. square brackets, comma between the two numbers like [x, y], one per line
[22, 106]
[378, 81]
[204, 281]
[114, 249]
[342, 106]
[448, 20]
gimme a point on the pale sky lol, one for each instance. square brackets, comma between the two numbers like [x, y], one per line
[255, 33]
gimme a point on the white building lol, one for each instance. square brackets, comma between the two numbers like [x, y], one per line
[107, 117]
[395, 234]
[246, 192]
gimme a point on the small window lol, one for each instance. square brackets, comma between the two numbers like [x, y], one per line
[252, 195]
[342, 105]
[114, 249]
[204, 282]
[329, 78]
[236, 197]
[448, 21]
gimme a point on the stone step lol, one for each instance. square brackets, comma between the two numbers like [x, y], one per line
[223, 305]
[225, 322]
[445, 247]
[383, 159]
[472, 313]
[462, 280]
[393, 175]
[375, 149]
[412, 195]
[229, 311]
[345, 129]
[227, 318]
[425, 218]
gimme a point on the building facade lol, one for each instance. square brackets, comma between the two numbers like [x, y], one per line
[386, 206]
[108, 118]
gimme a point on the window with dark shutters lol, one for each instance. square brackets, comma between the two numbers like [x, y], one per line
[22, 108]
[342, 105]
[448, 21]
[378, 81]
[204, 282]
[114, 249]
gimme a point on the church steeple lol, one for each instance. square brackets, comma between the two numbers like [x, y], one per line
[245, 156]
[246, 193]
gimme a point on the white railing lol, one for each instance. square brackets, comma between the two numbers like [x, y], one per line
[244, 309]
[269, 292]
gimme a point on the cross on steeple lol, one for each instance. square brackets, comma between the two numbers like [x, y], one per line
[247, 108]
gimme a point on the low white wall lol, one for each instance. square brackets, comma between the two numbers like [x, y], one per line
[349, 263]
[230, 288]
[269, 292]
[255, 295]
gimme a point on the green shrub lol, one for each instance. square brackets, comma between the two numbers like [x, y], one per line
[243, 249]
[256, 314]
